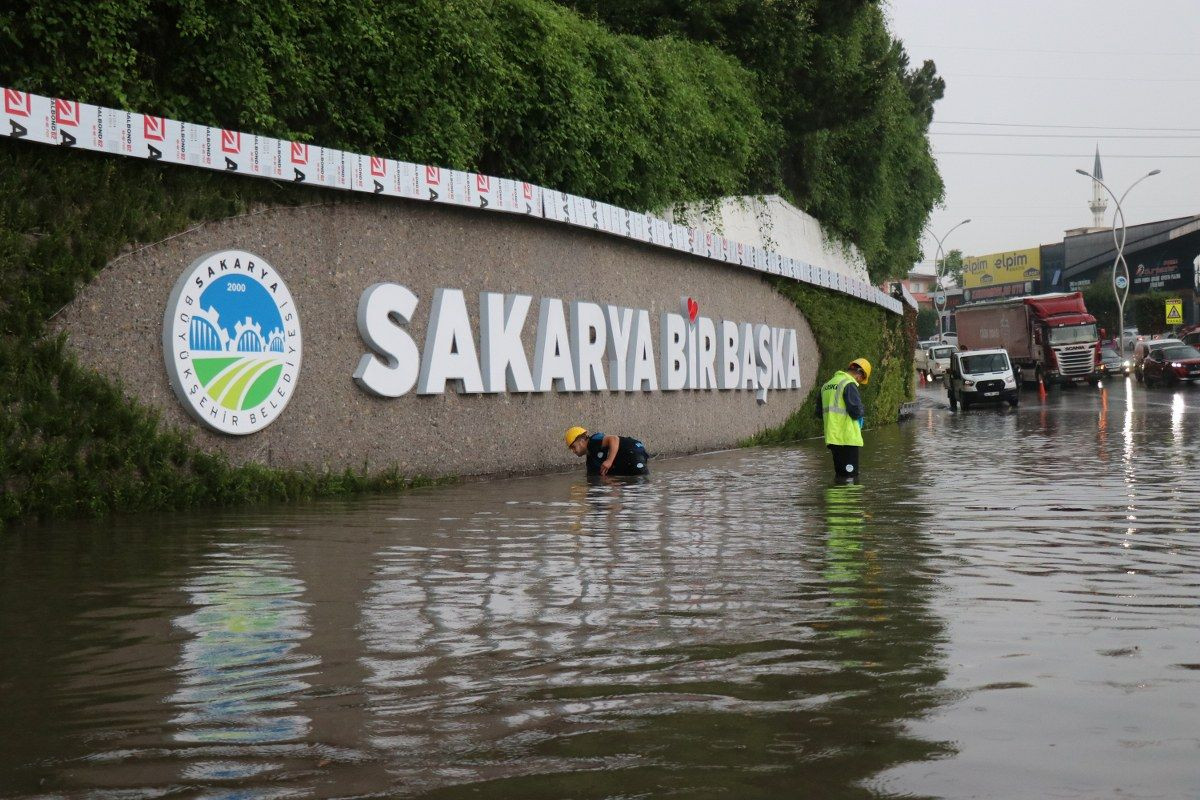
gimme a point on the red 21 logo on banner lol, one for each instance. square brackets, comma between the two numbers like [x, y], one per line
[19, 104]
[231, 141]
[483, 183]
[433, 175]
[154, 128]
[67, 112]
[378, 167]
[299, 153]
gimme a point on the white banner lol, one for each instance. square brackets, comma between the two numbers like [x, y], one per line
[70, 123]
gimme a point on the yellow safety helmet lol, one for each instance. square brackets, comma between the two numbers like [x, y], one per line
[865, 366]
[573, 433]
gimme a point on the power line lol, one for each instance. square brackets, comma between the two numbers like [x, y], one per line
[1050, 51]
[951, 76]
[1084, 156]
[1052, 125]
[1066, 135]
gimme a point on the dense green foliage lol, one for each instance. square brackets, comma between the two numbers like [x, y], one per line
[1102, 304]
[1148, 311]
[71, 442]
[642, 103]
[847, 329]
[848, 113]
[951, 267]
[927, 323]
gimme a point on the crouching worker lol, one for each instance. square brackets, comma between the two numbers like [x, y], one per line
[607, 454]
[842, 413]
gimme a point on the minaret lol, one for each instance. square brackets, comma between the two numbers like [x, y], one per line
[1099, 202]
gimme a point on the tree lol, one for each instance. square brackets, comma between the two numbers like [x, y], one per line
[1150, 312]
[1102, 304]
[951, 268]
[927, 323]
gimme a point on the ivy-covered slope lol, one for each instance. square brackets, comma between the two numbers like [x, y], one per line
[846, 329]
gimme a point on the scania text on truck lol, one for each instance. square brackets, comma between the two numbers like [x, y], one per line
[1049, 337]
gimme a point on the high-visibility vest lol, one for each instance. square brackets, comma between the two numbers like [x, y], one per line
[840, 427]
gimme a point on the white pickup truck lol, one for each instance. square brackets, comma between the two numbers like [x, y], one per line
[933, 361]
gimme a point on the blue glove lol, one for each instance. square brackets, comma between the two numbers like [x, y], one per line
[862, 421]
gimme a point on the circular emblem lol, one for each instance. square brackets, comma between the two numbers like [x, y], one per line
[1122, 281]
[231, 342]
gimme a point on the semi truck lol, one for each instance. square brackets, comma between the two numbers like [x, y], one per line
[1050, 338]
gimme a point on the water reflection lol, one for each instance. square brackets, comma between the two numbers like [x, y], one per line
[239, 668]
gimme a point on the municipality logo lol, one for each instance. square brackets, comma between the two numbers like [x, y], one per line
[231, 342]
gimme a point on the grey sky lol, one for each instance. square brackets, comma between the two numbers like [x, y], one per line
[1107, 63]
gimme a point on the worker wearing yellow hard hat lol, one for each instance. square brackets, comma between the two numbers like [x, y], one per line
[842, 413]
[607, 454]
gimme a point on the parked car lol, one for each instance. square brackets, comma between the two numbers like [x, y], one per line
[1142, 348]
[1171, 364]
[1191, 337]
[1129, 338]
[981, 376]
[1111, 362]
[933, 361]
[925, 344]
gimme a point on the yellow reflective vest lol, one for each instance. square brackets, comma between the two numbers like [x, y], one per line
[840, 427]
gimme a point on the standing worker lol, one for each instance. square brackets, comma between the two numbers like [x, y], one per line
[609, 455]
[842, 412]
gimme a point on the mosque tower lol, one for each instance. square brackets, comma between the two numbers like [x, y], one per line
[1099, 202]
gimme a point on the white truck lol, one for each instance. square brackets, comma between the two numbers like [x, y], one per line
[933, 361]
[981, 376]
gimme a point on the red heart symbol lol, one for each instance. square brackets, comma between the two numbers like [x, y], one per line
[693, 309]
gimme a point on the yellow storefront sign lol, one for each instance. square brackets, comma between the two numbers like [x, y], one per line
[994, 269]
[1175, 311]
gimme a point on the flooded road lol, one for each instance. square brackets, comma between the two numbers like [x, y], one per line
[1007, 607]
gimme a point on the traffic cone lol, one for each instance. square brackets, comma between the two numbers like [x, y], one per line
[1041, 390]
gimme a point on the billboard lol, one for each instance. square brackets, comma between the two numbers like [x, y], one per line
[995, 269]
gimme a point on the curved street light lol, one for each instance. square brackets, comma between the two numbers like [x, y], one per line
[939, 260]
[1120, 293]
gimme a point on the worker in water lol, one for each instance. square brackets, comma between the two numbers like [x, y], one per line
[607, 454]
[842, 413]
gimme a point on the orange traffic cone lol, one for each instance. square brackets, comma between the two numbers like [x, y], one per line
[1041, 390]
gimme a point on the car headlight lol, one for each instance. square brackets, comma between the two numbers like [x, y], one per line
[1176, 364]
[968, 383]
[1127, 364]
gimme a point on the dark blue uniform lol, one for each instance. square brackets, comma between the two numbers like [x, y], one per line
[632, 458]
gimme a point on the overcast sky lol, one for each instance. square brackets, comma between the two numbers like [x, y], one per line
[1040, 67]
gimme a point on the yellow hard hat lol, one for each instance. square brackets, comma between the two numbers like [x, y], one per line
[573, 433]
[865, 366]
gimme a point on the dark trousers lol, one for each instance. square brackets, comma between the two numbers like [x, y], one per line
[845, 461]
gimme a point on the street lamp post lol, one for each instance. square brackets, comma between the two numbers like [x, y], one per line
[1120, 286]
[939, 298]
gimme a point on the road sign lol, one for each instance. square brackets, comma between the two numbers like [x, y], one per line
[940, 299]
[1174, 311]
[1122, 281]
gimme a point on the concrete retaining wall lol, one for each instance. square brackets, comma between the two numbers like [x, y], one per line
[329, 254]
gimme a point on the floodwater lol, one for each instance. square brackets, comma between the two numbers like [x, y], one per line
[1007, 607]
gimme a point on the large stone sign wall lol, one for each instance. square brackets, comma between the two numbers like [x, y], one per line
[329, 254]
